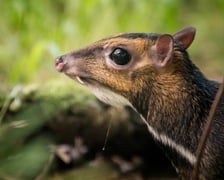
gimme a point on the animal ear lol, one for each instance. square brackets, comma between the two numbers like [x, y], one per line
[185, 37]
[162, 51]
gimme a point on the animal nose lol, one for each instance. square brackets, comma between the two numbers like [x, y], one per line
[59, 63]
[59, 59]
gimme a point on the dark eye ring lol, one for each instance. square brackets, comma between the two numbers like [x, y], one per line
[120, 56]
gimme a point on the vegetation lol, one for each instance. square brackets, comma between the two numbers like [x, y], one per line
[33, 33]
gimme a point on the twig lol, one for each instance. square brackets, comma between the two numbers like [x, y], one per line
[207, 130]
[107, 134]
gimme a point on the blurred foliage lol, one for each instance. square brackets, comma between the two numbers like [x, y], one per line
[99, 171]
[33, 33]
[24, 144]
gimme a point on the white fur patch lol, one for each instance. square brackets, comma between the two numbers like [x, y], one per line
[117, 100]
[109, 97]
[167, 141]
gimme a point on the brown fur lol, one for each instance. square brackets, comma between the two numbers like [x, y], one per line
[164, 86]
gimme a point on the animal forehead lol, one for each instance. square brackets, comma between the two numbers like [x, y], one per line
[134, 40]
[151, 36]
[130, 38]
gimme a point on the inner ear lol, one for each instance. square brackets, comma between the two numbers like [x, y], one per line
[163, 51]
[185, 37]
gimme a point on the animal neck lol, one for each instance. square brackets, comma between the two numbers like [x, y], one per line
[175, 109]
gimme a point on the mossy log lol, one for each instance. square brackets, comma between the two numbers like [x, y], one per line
[58, 113]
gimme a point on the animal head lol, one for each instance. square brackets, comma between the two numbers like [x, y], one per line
[120, 68]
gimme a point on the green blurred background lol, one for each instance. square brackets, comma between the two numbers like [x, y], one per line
[33, 33]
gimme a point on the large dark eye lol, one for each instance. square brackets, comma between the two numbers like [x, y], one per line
[120, 56]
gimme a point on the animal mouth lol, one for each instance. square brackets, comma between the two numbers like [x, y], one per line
[60, 66]
[83, 79]
[80, 80]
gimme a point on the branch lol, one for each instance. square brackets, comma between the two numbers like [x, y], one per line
[207, 130]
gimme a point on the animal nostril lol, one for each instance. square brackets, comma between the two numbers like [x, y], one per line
[59, 63]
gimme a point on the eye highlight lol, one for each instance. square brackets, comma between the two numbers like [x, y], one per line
[120, 56]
